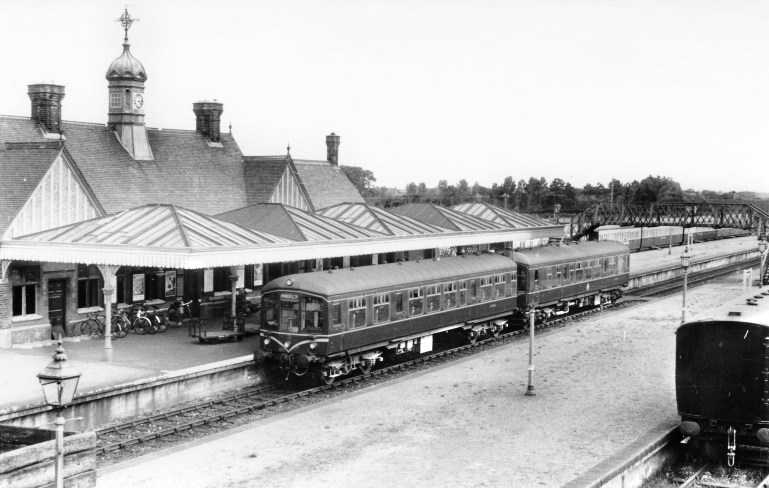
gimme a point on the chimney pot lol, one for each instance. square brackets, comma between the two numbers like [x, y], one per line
[46, 105]
[332, 149]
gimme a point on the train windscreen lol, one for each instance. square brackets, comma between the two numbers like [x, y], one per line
[293, 312]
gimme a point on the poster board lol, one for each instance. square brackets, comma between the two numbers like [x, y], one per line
[241, 278]
[208, 280]
[138, 287]
[258, 276]
[170, 283]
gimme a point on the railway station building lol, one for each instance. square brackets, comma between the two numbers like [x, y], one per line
[93, 214]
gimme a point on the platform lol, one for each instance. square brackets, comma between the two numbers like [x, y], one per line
[601, 386]
[134, 357]
[647, 261]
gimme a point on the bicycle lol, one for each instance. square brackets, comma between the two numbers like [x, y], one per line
[137, 320]
[157, 320]
[178, 313]
[90, 326]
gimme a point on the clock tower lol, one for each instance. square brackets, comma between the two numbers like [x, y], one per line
[126, 77]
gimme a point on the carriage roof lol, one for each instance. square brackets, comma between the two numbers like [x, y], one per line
[568, 252]
[396, 275]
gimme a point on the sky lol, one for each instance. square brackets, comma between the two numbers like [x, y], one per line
[421, 91]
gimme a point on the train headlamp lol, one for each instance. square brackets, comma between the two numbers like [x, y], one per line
[286, 344]
[266, 342]
[289, 282]
[313, 345]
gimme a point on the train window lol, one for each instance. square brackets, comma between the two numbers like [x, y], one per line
[399, 302]
[486, 288]
[312, 314]
[289, 312]
[597, 268]
[565, 273]
[357, 311]
[449, 295]
[462, 293]
[270, 305]
[579, 272]
[588, 270]
[536, 279]
[605, 265]
[557, 275]
[499, 286]
[473, 291]
[381, 308]
[336, 313]
[546, 276]
[416, 301]
[433, 298]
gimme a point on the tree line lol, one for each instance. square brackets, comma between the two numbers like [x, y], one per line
[536, 195]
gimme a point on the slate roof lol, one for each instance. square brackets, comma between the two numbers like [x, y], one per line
[380, 220]
[325, 184]
[186, 170]
[446, 218]
[23, 166]
[163, 226]
[499, 215]
[262, 174]
[294, 223]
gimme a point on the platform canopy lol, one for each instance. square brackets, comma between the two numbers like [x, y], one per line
[166, 236]
[379, 220]
[492, 213]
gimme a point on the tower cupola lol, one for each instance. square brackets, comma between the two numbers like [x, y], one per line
[126, 77]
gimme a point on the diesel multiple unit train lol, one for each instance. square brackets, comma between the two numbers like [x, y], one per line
[330, 323]
[722, 378]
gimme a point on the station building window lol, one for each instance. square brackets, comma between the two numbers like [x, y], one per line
[381, 308]
[88, 286]
[115, 100]
[24, 283]
[433, 298]
[416, 301]
[357, 311]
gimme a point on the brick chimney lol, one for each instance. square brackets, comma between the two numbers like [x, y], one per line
[208, 116]
[46, 105]
[332, 149]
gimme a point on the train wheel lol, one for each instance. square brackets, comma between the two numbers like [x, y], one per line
[494, 331]
[365, 367]
[327, 380]
[472, 337]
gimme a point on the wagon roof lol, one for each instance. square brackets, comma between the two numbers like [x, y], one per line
[738, 310]
[405, 274]
[583, 250]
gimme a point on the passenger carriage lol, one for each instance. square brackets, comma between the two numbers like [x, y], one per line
[331, 322]
[553, 279]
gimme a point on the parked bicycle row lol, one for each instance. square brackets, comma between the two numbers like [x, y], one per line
[138, 318]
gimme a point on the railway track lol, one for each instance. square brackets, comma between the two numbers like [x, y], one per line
[195, 419]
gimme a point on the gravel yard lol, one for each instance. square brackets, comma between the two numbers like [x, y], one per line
[600, 385]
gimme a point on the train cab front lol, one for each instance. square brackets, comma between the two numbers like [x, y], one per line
[293, 331]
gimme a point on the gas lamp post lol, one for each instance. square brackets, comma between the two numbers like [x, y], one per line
[685, 259]
[59, 381]
[530, 388]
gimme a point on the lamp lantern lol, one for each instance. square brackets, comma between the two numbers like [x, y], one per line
[762, 245]
[685, 259]
[59, 380]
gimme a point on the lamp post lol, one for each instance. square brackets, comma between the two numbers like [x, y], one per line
[59, 381]
[556, 211]
[530, 388]
[685, 259]
[762, 246]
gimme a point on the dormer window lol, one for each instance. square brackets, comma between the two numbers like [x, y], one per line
[114, 100]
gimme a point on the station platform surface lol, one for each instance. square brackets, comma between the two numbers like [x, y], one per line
[600, 386]
[134, 357]
[659, 259]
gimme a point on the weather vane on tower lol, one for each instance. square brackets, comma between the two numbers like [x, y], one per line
[126, 21]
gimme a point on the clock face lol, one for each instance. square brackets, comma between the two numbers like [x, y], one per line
[138, 100]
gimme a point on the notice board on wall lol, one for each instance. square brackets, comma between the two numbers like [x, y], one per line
[138, 287]
[208, 280]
